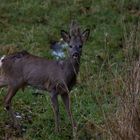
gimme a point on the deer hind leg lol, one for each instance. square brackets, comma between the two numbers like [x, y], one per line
[3, 81]
[55, 106]
[7, 103]
[66, 101]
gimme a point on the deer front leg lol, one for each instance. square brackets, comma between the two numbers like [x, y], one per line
[7, 103]
[55, 105]
[66, 101]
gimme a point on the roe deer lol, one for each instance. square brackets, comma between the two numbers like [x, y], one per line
[57, 77]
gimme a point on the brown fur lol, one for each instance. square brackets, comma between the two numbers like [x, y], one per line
[58, 77]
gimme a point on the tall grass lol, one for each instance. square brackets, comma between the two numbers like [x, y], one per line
[126, 121]
[124, 124]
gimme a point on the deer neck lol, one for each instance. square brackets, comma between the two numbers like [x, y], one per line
[70, 69]
[73, 64]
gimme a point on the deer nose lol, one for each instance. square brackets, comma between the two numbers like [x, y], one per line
[75, 55]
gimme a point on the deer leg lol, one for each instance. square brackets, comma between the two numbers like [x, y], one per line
[66, 101]
[7, 103]
[55, 105]
[3, 81]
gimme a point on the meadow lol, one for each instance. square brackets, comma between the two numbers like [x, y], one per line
[109, 75]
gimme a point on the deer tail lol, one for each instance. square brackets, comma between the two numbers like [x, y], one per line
[1, 60]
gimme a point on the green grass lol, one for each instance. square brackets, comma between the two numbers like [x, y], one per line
[32, 24]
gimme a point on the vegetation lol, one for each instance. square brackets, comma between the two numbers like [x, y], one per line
[109, 67]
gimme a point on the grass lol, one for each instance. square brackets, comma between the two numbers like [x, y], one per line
[31, 25]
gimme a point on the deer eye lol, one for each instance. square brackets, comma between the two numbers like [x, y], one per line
[70, 46]
[80, 46]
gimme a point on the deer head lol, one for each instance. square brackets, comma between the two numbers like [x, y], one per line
[75, 39]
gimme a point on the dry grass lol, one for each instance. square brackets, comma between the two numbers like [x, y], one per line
[125, 123]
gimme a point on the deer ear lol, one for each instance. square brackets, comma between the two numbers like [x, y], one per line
[85, 35]
[65, 36]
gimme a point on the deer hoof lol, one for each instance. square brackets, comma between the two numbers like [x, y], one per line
[17, 126]
[57, 130]
[75, 126]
